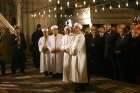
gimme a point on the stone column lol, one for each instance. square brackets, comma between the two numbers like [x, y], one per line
[18, 5]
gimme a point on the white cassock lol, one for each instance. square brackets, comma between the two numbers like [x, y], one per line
[66, 41]
[78, 73]
[56, 58]
[44, 56]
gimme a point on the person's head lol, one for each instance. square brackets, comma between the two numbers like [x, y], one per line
[120, 28]
[77, 28]
[67, 30]
[17, 30]
[107, 27]
[101, 30]
[45, 32]
[93, 29]
[54, 29]
[87, 30]
[38, 26]
[136, 31]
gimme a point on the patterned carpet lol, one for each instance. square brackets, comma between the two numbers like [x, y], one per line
[34, 82]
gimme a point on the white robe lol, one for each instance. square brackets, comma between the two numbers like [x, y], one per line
[44, 57]
[78, 73]
[66, 41]
[56, 58]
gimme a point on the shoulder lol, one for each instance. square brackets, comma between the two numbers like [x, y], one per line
[41, 38]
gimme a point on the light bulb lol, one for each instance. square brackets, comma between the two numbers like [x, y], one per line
[76, 5]
[44, 12]
[49, 16]
[58, 2]
[84, 2]
[61, 8]
[126, 4]
[110, 7]
[55, 9]
[68, 3]
[119, 6]
[50, 0]
[103, 8]
[39, 13]
[137, 2]
[96, 10]
[55, 16]
[77, 14]
[49, 10]
[94, 1]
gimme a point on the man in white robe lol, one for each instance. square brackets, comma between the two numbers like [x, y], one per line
[78, 74]
[44, 48]
[56, 52]
[67, 57]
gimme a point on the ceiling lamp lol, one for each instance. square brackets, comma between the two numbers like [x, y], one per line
[137, 3]
[61, 8]
[55, 9]
[58, 2]
[55, 16]
[126, 4]
[76, 5]
[61, 15]
[84, 2]
[119, 6]
[110, 7]
[39, 13]
[103, 8]
[44, 12]
[68, 4]
[96, 10]
[49, 10]
[94, 1]
[49, 15]
[50, 0]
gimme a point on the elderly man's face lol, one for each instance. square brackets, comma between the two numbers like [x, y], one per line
[55, 31]
[45, 33]
[77, 29]
[67, 31]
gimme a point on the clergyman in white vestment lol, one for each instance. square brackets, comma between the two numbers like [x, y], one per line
[78, 73]
[67, 57]
[56, 52]
[44, 48]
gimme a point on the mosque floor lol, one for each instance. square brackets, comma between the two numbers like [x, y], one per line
[34, 82]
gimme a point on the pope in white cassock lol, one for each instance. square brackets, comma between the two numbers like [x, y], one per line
[66, 41]
[56, 52]
[44, 48]
[78, 73]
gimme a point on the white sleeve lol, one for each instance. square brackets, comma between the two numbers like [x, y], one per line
[40, 44]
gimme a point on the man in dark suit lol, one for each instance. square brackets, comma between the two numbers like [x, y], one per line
[109, 42]
[34, 46]
[120, 57]
[18, 45]
[93, 51]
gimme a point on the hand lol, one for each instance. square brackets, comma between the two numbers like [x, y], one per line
[56, 50]
[45, 49]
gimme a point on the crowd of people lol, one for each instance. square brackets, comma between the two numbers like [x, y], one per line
[110, 51]
[105, 50]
